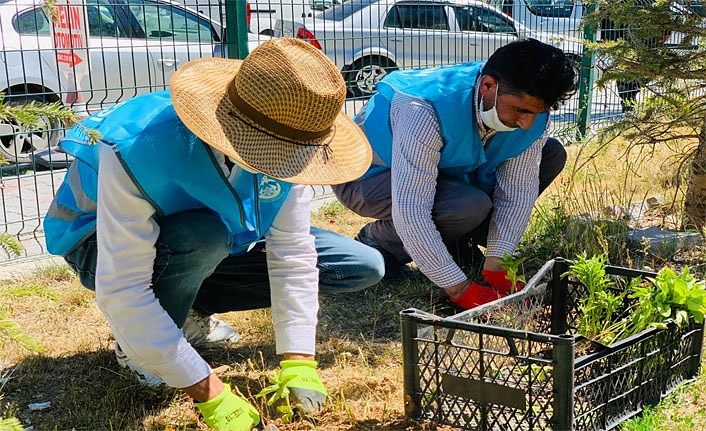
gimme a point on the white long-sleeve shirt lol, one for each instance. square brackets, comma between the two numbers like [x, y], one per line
[416, 151]
[127, 233]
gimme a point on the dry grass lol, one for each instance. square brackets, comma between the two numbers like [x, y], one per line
[359, 348]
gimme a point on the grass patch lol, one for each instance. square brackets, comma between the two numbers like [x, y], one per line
[359, 345]
[684, 410]
[23, 289]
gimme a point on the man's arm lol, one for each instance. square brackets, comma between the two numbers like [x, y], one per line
[417, 144]
[126, 234]
[294, 278]
[515, 193]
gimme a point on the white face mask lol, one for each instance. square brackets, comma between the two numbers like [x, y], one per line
[490, 117]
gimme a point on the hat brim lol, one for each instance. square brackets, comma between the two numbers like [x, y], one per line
[200, 99]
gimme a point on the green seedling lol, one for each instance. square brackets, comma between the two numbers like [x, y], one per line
[513, 266]
[600, 304]
[668, 298]
[278, 391]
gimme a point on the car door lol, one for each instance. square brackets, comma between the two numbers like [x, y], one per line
[118, 65]
[173, 36]
[482, 31]
[420, 33]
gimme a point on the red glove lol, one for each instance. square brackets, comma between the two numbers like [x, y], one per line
[475, 295]
[498, 280]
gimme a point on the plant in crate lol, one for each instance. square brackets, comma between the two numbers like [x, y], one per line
[482, 370]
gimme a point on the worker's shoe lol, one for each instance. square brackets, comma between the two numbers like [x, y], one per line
[394, 269]
[204, 329]
[145, 377]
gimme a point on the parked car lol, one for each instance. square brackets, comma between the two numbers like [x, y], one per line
[561, 17]
[134, 46]
[368, 38]
[262, 15]
[266, 13]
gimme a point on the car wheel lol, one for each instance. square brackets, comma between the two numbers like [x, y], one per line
[17, 144]
[363, 74]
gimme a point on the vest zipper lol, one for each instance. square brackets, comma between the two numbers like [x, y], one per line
[217, 166]
[256, 187]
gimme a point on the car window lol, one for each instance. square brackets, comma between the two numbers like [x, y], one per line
[33, 22]
[489, 21]
[162, 21]
[343, 11]
[103, 19]
[551, 8]
[481, 19]
[413, 16]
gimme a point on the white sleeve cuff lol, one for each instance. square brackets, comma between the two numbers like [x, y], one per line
[186, 369]
[295, 339]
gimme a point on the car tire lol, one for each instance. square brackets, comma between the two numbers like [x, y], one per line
[363, 74]
[18, 146]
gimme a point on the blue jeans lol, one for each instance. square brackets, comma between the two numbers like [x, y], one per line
[193, 269]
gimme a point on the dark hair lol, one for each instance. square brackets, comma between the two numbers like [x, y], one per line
[531, 67]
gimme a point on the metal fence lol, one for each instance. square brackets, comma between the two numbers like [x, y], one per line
[133, 47]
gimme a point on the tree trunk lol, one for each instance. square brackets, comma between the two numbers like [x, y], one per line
[695, 199]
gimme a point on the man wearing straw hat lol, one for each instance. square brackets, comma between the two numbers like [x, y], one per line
[460, 154]
[164, 217]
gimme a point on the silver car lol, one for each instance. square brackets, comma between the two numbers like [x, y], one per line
[368, 38]
[134, 46]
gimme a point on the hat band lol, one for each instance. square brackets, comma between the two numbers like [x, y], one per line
[270, 124]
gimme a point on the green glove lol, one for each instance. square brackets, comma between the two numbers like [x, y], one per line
[304, 383]
[228, 412]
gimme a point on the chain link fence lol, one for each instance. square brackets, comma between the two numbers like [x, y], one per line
[130, 47]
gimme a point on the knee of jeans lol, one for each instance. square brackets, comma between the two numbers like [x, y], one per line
[372, 269]
[196, 232]
[368, 270]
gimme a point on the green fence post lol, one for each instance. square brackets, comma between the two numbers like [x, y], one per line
[586, 77]
[236, 29]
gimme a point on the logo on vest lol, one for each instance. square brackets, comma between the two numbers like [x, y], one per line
[269, 189]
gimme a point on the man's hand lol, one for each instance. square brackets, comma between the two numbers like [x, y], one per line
[472, 295]
[498, 280]
[492, 263]
[228, 412]
[496, 277]
[305, 386]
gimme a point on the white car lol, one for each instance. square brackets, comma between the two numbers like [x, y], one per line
[134, 47]
[368, 38]
[561, 17]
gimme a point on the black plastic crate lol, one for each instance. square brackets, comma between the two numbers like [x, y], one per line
[518, 363]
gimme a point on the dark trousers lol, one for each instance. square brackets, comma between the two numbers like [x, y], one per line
[460, 210]
[193, 269]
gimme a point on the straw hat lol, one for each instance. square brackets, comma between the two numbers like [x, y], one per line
[278, 111]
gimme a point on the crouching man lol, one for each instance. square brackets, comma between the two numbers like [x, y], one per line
[460, 155]
[165, 217]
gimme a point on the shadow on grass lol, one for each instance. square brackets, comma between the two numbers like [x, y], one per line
[87, 391]
[373, 313]
[90, 391]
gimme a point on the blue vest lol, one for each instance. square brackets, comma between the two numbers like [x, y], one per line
[450, 91]
[172, 168]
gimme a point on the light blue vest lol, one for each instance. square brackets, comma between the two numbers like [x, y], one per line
[172, 168]
[450, 91]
